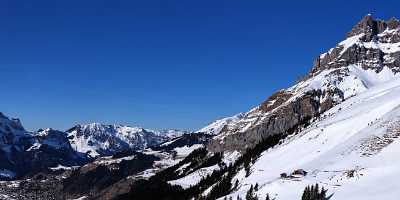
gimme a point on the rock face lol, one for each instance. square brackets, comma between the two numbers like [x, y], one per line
[370, 54]
[23, 153]
[371, 44]
[368, 26]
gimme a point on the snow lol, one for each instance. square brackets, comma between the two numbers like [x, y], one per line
[349, 42]
[109, 160]
[230, 157]
[384, 47]
[169, 142]
[7, 173]
[171, 133]
[4, 196]
[80, 198]
[166, 159]
[80, 144]
[195, 177]
[104, 140]
[186, 150]
[216, 127]
[353, 80]
[61, 167]
[358, 135]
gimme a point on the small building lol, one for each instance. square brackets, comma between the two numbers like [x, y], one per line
[301, 172]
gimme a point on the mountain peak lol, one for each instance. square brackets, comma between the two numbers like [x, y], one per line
[371, 44]
[393, 23]
[369, 26]
[10, 124]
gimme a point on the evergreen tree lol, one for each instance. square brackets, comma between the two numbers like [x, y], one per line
[267, 198]
[313, 193]
[306, 194]
[250, 194]
[247, 168]
[236, 184]
[256, 187]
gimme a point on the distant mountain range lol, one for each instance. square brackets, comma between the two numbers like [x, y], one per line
[101, 140]
[23, 152]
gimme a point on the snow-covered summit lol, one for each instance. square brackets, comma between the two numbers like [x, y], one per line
[99, 139]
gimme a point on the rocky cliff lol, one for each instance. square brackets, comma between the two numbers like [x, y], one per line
[24, 153]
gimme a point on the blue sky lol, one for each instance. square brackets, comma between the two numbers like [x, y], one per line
[160, 64]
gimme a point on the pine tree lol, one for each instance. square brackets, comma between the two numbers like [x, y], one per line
[247, 168]
[256, 187]
[267, 198]
[250, 194]
[306, 194]
[313, 193]
[236, 184]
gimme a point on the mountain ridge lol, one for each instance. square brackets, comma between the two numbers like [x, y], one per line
[370, 57]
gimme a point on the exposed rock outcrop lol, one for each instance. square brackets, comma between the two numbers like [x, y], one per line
[371, 44]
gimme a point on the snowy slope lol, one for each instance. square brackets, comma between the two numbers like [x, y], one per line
[216, 127]
[349, 150]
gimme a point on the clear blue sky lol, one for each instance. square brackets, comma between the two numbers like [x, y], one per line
[160, 64]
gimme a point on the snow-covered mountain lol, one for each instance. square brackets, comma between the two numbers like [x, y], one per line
[339, 127]
[369, 56]
[23, 152]
[102, 140]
